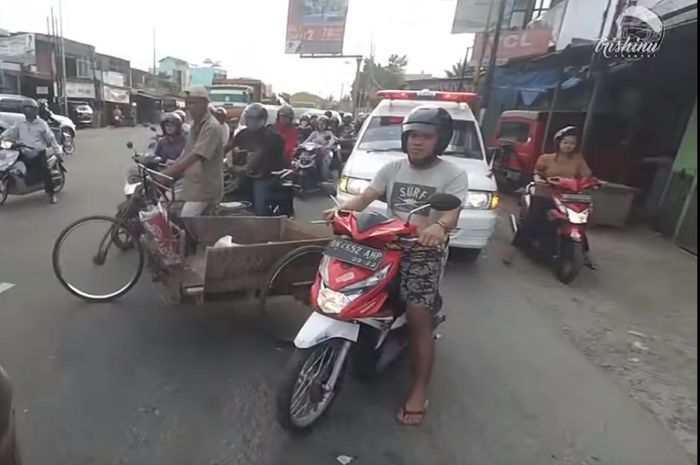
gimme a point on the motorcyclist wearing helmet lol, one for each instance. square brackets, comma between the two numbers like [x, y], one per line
[324, 138]
[185, 124]
[334, 125]
[263, 149]
[170, 146]
[45, 113]
[347, 128]
[221, 116]
[305, 128]
[566, 162]
[406, 184]
[35, 133]
[285, 128]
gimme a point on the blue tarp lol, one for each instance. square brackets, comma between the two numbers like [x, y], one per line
[532, 84]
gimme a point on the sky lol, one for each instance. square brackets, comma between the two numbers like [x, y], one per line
[248, 36]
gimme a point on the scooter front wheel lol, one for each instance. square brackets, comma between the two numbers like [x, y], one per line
[570, 261]
[4, 190]
[311, 382]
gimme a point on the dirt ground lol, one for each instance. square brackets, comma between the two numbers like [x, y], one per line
[635, 317]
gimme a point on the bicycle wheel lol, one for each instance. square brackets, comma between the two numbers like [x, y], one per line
[89, 265]
[284, 300]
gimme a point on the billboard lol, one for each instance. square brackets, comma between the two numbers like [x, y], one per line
[514, 44]
[471, 15]
[316, 26]
[20, 48]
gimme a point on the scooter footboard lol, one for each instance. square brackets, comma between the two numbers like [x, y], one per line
[319, 328]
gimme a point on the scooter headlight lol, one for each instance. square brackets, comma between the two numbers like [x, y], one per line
[373, 280]
[577, 217]
[5, 144]
[330, 301]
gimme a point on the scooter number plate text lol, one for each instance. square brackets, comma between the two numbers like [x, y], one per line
[355, 254]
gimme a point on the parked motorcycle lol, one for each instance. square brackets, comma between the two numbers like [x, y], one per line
[573, 206]
[16, 179]
[358, 314]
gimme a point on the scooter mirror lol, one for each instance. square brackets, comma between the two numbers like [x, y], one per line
[129, 145]
[444, 202]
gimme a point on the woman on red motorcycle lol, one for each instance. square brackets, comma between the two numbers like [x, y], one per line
[566, 162]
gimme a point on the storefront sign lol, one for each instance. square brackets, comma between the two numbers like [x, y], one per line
[112, 78]
[80, 90]
[316, 26]
[112, 94]
[18, 49]
[42, 90]
[515, 44]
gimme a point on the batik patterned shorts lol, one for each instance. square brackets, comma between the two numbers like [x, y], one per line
[421, 271]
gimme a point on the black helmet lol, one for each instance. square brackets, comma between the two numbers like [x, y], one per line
[304, 117]
[567, 131]
[328, 114]
[428, 119]
[255, 112]
[286, 111]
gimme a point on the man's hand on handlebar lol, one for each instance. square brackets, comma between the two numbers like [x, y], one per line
[329, 214]
[432, 236]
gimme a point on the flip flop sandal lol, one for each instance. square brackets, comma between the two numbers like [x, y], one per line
[403, 413]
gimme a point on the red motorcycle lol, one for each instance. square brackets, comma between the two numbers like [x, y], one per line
[573, 206]
[358, 315]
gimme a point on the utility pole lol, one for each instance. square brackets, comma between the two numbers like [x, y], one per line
[63, 58]
[484, 45]
[492, 59]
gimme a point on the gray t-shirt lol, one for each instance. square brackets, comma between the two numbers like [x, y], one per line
[407, 188]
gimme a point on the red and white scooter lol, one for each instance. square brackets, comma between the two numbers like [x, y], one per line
[358, 315]
[573, 207]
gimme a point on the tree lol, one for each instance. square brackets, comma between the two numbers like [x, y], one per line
[374, 77]
[456, 70]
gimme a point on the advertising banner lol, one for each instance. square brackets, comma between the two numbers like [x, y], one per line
[471, 15]
[515, 44]
[18, 49]
[316, 26]
[84, 90]
[112, 94]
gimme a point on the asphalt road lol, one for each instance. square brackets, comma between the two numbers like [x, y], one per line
[140, 382]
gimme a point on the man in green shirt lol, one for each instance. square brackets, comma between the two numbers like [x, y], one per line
[201, 165]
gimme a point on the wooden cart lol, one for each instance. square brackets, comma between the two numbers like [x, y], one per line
[237, 272]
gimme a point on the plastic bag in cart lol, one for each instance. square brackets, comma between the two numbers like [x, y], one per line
[155, 221]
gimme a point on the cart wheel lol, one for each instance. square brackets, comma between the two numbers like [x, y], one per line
[89, 264]
[283, 302]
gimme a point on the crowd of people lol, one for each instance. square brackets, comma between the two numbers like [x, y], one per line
[254, 151]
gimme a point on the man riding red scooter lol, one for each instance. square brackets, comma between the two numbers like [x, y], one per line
[384, 273]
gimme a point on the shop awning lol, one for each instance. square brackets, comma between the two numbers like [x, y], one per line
[676, 13]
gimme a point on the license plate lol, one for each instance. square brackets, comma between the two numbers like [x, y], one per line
[355, 254]
[580, 198]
